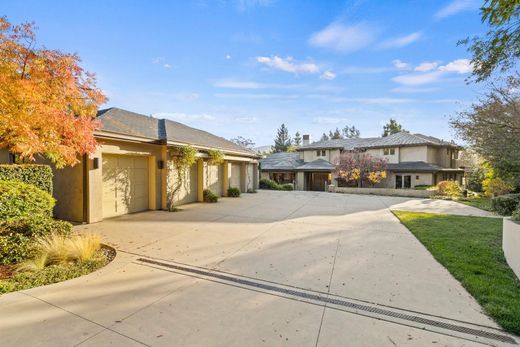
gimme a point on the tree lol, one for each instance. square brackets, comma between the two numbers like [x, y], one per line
[500, 48]
[336, 135]
[282, 140]
[297, 141]
[244, 142]
[392, 127]
[360, 167]
[324, 137]
[48, 103]
[351, 132]
[492, 128]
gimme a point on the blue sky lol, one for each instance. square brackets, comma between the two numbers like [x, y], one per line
[242, 67]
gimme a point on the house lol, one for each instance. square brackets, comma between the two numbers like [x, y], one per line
[413, 159]
[132, 168]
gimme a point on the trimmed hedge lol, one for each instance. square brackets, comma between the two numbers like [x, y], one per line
[272, 185]
[506, 204]
[19, 199]
[233, 192]
[39, 175]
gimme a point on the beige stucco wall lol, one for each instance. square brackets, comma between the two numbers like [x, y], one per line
[68, 192]
[123, 148]
[415, 153]
[234, 179]
[213, 178]
[300, 181]
[188, 191]
[379, 152]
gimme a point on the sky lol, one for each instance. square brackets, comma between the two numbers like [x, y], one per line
[244, 67]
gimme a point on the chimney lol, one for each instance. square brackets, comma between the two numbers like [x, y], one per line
[306, 140]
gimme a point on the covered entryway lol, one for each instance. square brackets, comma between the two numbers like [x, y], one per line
[318, 181]
[125, 184]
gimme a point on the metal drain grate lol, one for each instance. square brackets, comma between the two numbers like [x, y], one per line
[352, 305]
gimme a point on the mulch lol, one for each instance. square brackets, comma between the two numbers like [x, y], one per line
[6, 271]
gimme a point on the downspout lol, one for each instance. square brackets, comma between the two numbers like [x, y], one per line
[86, 212]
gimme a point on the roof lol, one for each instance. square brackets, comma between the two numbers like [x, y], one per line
[417, 166]
[125, 122]
[399, 139]
[290, 161]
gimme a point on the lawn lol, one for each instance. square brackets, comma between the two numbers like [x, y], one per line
[483, 203]
[471, 249]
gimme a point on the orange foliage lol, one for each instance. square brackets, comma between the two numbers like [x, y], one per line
[48, 103]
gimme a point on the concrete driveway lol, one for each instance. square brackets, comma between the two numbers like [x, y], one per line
[273, 268]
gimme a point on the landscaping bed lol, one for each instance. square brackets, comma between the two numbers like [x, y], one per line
[470, 248]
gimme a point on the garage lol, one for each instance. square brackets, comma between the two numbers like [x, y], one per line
[188, 191]
[234, 180]
[125, 184]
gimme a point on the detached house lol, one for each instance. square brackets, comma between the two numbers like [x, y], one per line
[131, 169]
[413, 159]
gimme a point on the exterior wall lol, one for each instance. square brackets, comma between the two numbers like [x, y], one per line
[379, 152]
[213, 178]
[456, 176]
[95, 184]
[300, 181]
[310, 155]
[234, 180]
[384, 191]
[68, 192]
[511, 244]
[433, 155]
[250, 177]
[188, 191]
[415, 153]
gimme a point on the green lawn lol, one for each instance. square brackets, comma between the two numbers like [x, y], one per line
[483, 203]
[471, 249]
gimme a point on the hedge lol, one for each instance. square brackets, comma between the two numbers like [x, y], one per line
[209, 196]
[39, 175]
[233, 192]
[19, 200]
[272, 185]
[504, 205]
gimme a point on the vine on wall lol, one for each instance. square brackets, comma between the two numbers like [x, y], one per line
[182, 158]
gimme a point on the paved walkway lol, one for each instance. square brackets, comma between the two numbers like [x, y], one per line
[273, 268]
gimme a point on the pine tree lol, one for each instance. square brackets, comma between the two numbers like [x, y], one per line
[351, 132]
[282, 140]
[297, 141]
[324, 137]
[392, 127]
[335, 135]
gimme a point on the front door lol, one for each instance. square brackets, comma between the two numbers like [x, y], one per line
[398, 181]
[407, 182]
[319, 181]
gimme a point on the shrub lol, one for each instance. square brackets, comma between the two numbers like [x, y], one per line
[474, 180]
[18, 236]
[287, 186]
[251, 190]
[233, 192]
[496, 186]
[38, 175]
[19, 199]
[209, 196]
[449, 188]
[504, 205]
[516, 214]
[272, 185]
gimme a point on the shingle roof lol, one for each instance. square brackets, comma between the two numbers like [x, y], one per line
[316, 165]
[130, 123]
[399, 139]
[417, 166]
[285, 161]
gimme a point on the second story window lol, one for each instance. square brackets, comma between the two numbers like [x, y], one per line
[389, 151]
[320, 153]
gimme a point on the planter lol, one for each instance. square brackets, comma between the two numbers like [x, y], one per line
[511, 244]
[412, 193]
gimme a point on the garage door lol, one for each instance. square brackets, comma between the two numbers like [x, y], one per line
[234, 181]
[125, 184]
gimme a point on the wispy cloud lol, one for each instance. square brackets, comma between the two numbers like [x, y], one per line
[429, 74]
[401, 65]
[344, 38]
[288, 65]
[161, 61]
[245, 119]
[234, 84]
[426, 66]
[455, 7]
[328, 75]
[402, 41]
[460, 66]
[330, 120]
[418, 79]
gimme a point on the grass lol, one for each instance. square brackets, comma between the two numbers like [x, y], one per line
[484, 203]
[471, 249]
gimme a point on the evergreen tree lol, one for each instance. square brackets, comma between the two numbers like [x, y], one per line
[297, 139]
[351, 132]
[324, 137]
[282, 140]
[392, 127]
[336, 134]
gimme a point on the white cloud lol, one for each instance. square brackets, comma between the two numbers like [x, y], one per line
[457, 6]
[418, 79]
[426, 66]
[233, 84]
[401, 41]
[167, 66]
[288, 64]
[460, 66]
[186, 116]
[328, 75]
[330, 120]
[401, 65]
[343, 38]
[228, 57]
[246, 119]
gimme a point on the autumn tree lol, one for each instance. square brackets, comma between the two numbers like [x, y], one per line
[392, 127]
[360, 167]
[282, 141]
[48, 103]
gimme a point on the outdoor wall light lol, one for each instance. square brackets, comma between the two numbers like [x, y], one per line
[95, 163]
[160, 164]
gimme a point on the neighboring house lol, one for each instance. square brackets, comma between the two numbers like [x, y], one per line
[413, 159]
[132, 169]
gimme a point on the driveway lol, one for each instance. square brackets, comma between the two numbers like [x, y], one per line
[273, 268]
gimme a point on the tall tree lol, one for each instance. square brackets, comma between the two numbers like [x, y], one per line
[48, 103]
[360, 167]
[492, 127]
[282, 140]
[392, 127]
[500, 48]
[324, 137]
[335, 135]
[297, 141]
[351, 132]
[244, 142]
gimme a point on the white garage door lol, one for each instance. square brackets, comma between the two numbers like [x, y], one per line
[234, 180]
[125, 184]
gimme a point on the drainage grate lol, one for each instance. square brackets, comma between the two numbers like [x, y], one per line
[338, 302]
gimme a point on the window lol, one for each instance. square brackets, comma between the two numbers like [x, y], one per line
[323, 153]
[389, 151]
[320, 153]
[417, 178]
